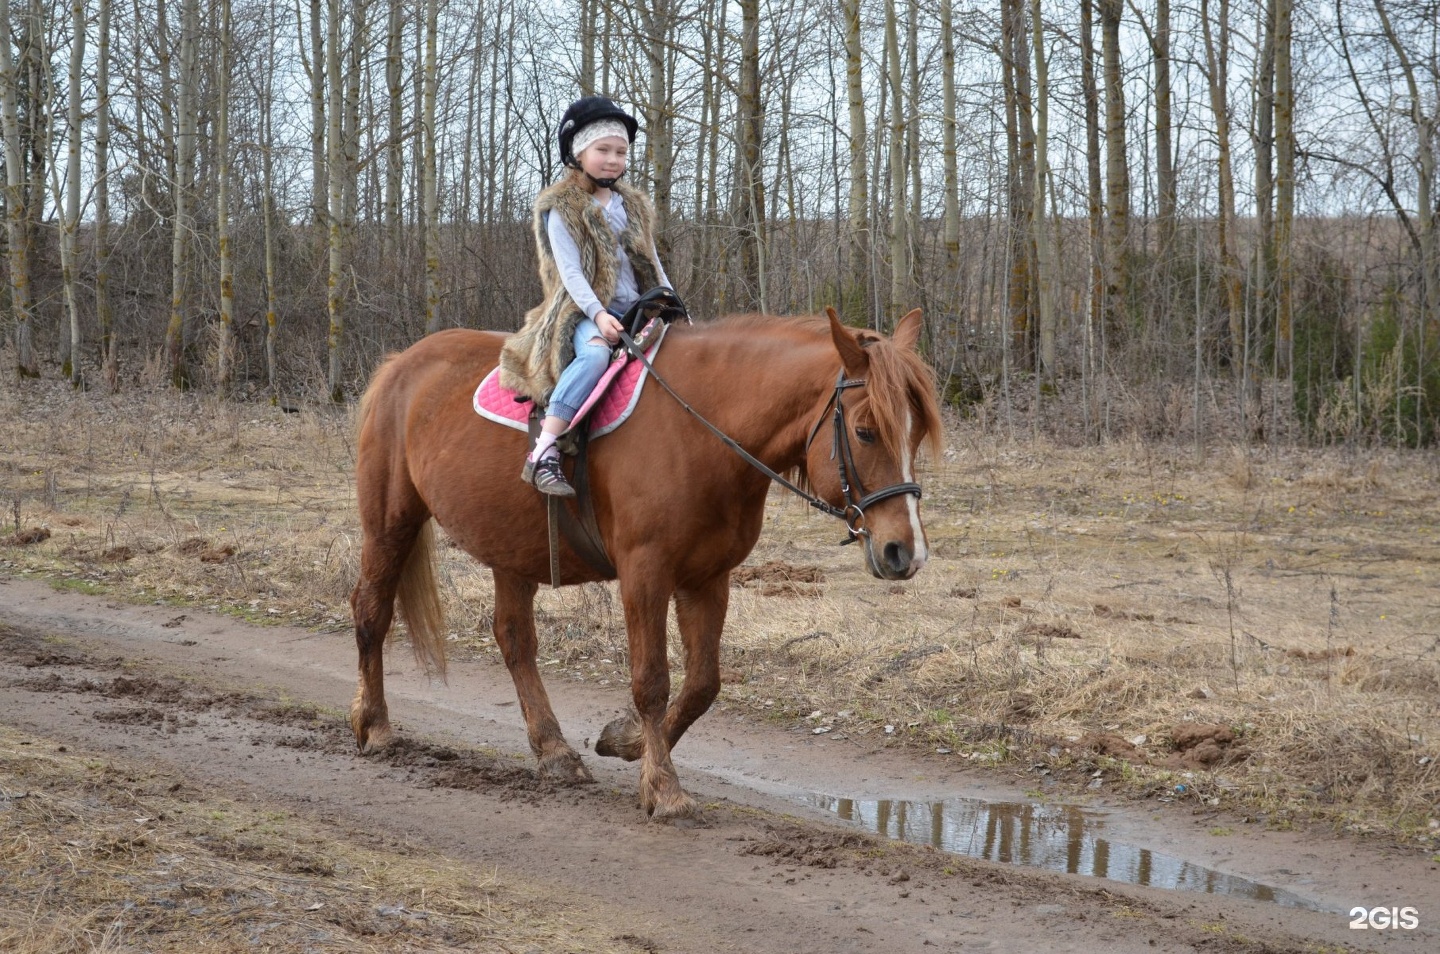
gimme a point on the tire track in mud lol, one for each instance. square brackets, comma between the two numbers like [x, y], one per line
[751, 881]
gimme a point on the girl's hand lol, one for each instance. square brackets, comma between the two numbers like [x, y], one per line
[610, 326]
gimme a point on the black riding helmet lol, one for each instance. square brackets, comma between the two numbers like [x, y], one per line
[582, 113]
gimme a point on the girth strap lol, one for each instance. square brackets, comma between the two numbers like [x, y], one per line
[582, 532]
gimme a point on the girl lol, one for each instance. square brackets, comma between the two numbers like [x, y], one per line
[595, 238]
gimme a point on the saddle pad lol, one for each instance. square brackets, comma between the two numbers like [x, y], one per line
[608, 411]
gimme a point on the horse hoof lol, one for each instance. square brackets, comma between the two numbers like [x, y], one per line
[683, 812]
[566, 769]
[621, 739]
[376, 740]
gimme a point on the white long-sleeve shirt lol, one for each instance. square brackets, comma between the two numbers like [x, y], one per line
[567, 261]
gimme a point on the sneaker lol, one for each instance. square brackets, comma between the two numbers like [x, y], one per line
[547, 477]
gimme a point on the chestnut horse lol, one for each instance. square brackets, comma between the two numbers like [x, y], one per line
[677, 509]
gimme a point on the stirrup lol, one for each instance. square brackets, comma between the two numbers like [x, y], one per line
[546, 476]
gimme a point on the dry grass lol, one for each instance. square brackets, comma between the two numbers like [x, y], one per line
[1112, 593]
[105, 855]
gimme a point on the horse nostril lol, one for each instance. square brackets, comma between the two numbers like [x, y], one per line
[897, 557]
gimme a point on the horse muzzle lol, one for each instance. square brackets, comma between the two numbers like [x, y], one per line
[892, 560]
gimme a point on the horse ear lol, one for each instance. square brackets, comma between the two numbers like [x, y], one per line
[852, 355]
[907, 330]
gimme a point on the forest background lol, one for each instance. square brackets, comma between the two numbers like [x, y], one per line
[1179, 220]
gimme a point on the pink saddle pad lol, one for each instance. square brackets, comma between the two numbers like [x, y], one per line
[612, 401]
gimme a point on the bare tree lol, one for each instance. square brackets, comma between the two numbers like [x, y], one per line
[1044, 263]
[1117, 170]
[428, 186]
[181, 225]
[70, 221]
[335, 179]
[1427, 125]
[222, 204]
[899, 239]
[15, 205]
[1094, 202]
[949, 149]
[1284, 187]
[751, 178]
[657, 26]
[858, 271]
[109, 341]
[1217, 59]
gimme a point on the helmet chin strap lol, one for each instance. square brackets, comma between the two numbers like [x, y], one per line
[604, 183]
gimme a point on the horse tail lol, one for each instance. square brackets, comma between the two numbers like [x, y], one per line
[419, 599]
[417, 593]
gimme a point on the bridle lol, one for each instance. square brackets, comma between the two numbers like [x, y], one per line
[856, 500]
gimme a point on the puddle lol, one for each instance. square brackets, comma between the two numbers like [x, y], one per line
[1053, 837]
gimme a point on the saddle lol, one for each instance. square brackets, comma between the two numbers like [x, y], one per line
[607, 407]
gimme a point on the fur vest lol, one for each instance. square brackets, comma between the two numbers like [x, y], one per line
[531, 359]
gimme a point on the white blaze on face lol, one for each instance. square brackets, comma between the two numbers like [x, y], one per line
[921, 551]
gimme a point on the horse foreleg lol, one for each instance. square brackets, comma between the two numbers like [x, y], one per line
[515, 635]
[660, 794]
[701, 613]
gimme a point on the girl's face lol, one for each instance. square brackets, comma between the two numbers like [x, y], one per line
[605, 158]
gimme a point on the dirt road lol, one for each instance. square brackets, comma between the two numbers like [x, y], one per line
[769, 874]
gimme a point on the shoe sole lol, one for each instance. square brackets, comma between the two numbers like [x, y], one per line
[527, 474]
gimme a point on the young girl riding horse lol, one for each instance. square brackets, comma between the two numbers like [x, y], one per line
[596, 243]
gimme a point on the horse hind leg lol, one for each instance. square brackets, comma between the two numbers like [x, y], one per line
[372, 602]
[515, 635]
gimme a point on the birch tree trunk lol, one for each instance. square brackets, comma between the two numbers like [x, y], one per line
[951, 224]
[858, 268]
[1285, 188]
[1044, 264]
[1117, 171]
[1264, 148]
[428, 189]
[914, 213]
[15, 212]
[70, 222]
[899, 237]
[1217, 56]
[318, 66]
[751, 176]
[335, 156]
[587, 46]
[225, 343]
[394, 181]
[267, 214]
[1095, 207]
[108, 338]
[1427, 207]
[659, 22]
[184, 176]
[1021, 182]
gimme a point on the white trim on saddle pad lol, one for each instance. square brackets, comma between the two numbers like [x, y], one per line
[520, 421]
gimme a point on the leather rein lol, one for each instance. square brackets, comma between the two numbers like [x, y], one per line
[856, 499]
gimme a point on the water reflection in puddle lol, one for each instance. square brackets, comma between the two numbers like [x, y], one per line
[1053, 837]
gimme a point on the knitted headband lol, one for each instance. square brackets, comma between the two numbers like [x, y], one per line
[601, 129]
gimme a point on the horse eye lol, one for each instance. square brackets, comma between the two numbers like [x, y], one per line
[865, 435]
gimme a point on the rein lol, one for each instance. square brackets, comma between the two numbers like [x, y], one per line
[853, 513]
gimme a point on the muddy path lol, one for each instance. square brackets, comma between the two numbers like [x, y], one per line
[258, 709]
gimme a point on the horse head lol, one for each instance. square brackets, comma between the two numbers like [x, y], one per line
[882, 410]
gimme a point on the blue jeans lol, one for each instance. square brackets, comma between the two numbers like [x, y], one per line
[582, 374]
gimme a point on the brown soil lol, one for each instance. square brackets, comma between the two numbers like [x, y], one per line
[257, 712]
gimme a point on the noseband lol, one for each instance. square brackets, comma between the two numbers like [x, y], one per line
[856, 500]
